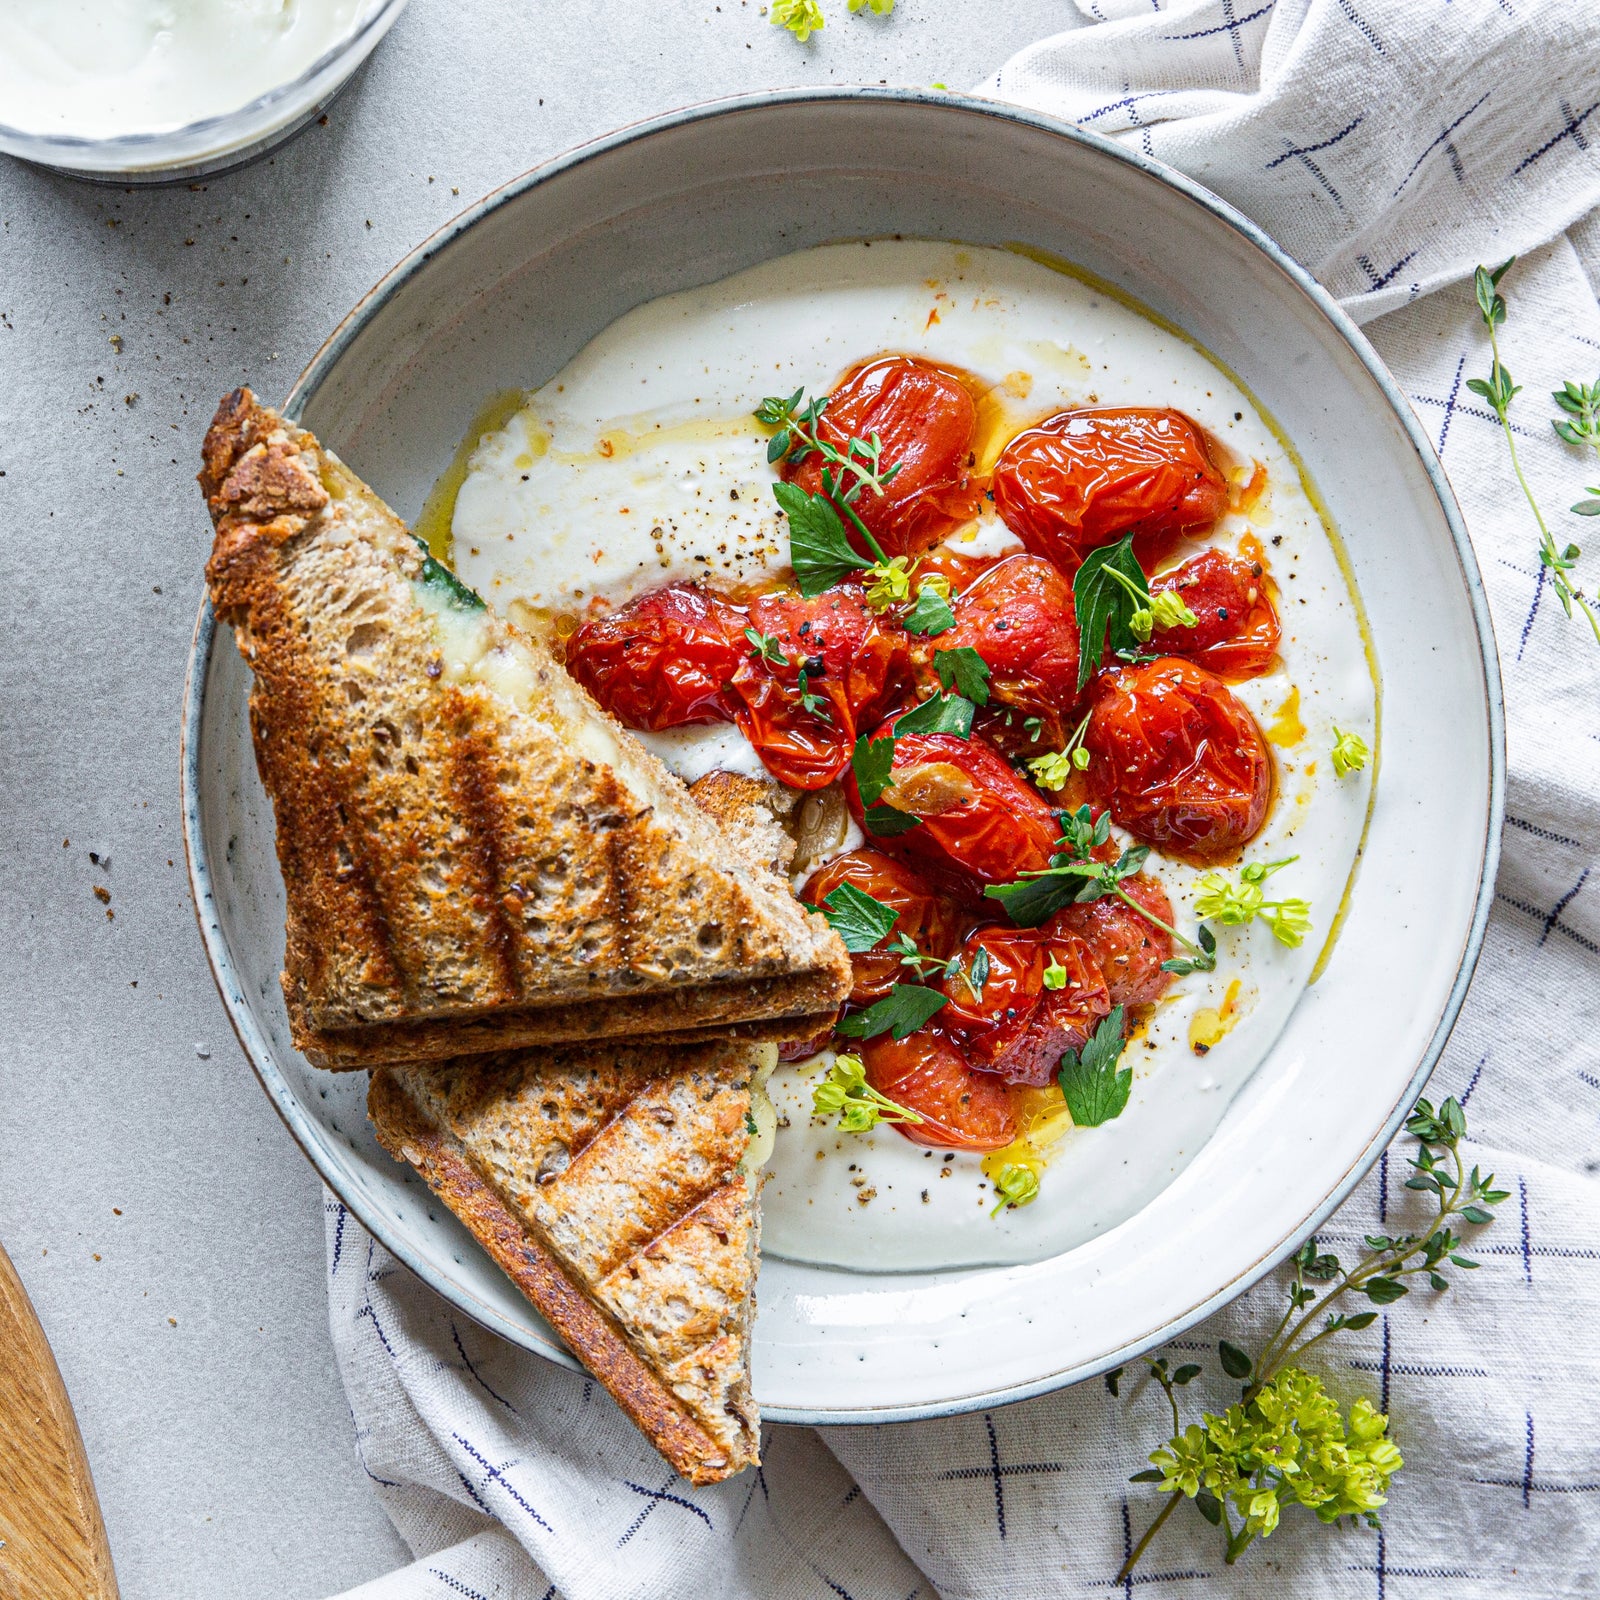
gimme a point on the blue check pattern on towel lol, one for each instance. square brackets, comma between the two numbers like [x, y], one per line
[1390, 145]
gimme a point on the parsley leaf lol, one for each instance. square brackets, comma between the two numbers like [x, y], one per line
[872, 761]
[819, 550]
[903, 1010]
[886, 822]
[857, 918]
[1109, 588]
[965, 671]
[1093, 1087]
[949, 713]
[930, 614]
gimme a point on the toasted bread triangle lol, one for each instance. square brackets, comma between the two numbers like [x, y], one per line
[476, 856]
[607, 1182]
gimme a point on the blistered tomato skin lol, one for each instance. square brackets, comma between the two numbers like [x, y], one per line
[962, 1109]
[1178, 760]
[978, 819]
[1126, 947]
[1236, 630]
[662, 661]
[925, 917]
[852, 661]
[1085, 478]
[925, 420]
[1016, 1026]
[1018, 615]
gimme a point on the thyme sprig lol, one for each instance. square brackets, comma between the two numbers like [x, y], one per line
[1286, 1442]
[1500, 391]
[1074, 876]
[819, 548]
[1580, 426]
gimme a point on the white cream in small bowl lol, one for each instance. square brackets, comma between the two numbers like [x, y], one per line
[172, 88]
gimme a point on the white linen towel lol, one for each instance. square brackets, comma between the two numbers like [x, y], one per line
[1390, 145]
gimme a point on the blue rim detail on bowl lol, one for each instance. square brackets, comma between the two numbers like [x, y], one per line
[284, 1099]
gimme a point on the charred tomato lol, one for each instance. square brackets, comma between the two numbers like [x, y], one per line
[925, 917]
[1178, 760]
[1018, 615]
[924, 419]
[1126, 947]
[975, 816]
[1015, 1024]
[1236, 628]
[962, 1109]
[1085, 478]
[663, 660]
[851, 661]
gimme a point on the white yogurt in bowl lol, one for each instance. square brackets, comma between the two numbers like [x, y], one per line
[167, 88]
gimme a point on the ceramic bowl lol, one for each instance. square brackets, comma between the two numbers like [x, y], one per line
[217, 143]
[507, 293]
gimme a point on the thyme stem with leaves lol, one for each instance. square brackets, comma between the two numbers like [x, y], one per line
[1500, 391]
[1286, 1441]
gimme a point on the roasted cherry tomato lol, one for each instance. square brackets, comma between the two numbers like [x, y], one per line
[1127, 949]
[1019, 617]
[925, 917]
[1014, 1024]
[1085, 478]
[663, 660]
[962, 1109]
[977, 816]
[1236, 624]
[851, 662]
[925, 419]
[1179, 761]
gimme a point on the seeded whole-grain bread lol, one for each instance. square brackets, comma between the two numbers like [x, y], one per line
[476, 856]
[607, 1182]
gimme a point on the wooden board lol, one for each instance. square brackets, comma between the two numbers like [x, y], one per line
[52, 1541]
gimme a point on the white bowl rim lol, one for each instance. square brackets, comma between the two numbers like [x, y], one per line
[255, 1047]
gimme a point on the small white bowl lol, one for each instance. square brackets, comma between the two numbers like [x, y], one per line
[508, 292]
[212, 144]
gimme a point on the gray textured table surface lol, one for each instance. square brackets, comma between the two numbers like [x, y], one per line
[165, 1225]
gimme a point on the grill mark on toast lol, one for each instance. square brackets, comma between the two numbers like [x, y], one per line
[476, 791]
[592, 1332]
[711, 1131]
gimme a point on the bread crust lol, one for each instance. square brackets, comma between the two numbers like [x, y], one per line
[656, 1297]
[468, 866]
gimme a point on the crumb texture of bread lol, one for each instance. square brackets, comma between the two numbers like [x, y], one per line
[465, 837]
[607, 1183]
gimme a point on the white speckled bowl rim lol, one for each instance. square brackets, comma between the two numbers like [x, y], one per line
[396, 1239]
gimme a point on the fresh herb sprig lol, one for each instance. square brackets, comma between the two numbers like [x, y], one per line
[859, 1107]
[1017, 1185]
[804, 17]
[1500, 391]
[1286, 1442]
[1051, 771]
[1115, 609]
[930, 613]
[965, 671]
[902, 1011]
[1350, 753]
[1093, 1082]
[1581, 426]
[1233, 905]
[819, 548]
[1074, 876]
